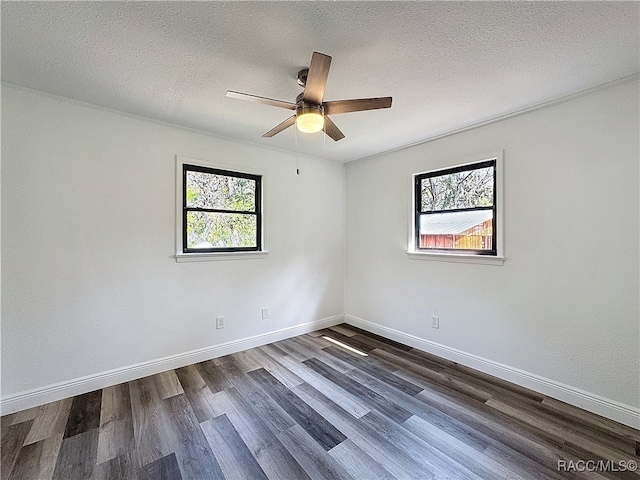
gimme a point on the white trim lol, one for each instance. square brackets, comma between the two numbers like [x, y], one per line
[209, 256]
[77, 386]
[591, 402]
[452, 257]
[213, 256]
[415, 254]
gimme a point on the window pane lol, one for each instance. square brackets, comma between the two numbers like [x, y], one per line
[207, 190]
[471, 188]
[471, 230]
[221, 230]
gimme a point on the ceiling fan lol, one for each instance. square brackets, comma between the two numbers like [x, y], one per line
[311, 111]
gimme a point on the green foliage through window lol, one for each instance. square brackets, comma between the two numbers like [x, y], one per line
[221, 210]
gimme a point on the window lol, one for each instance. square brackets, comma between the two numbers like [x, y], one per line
[456, 210]
[221, 210]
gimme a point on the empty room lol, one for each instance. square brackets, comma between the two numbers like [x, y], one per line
[320, 240]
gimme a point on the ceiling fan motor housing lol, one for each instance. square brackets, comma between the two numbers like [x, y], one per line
[302, 77]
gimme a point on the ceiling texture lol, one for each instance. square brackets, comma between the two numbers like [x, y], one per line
[447, 65]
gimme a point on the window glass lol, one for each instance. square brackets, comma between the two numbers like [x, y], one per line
[221, 210]
[456, 209]
[466, 189]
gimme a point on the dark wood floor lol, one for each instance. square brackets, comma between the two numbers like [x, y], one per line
[305, 408]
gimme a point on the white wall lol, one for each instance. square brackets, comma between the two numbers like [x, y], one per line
[564, 306]
[89, 281]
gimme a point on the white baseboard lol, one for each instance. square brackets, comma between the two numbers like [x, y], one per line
[77, 386]
[591, 402]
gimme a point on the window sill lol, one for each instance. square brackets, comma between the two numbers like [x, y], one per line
[456, 258]
[213, 257]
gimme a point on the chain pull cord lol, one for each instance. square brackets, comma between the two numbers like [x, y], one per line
[324, 137]
[295, 134]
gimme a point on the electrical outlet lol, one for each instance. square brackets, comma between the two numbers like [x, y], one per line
[219, 322]
[265, 313]
[435, 321]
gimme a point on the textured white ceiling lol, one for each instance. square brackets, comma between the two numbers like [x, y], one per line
[447, 65]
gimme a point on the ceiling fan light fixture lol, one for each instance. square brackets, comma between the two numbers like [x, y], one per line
[310, 106]
[310, 119]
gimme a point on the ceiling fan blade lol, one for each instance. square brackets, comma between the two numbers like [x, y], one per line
[263, 100]
[280, 127]
[356, 105]
[317, 78]
[331, 129]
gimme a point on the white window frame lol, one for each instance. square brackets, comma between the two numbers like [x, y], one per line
[414, 254]
[180, 256]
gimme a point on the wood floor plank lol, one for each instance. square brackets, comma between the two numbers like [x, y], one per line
[52, 420]
[397, 462]
[378, 338]
[317, 463]
[432, 460]
[276, 417]
[121, 467]
[49, 455]
[598, 429]
[459, 451]
[574, 453]
[317, 345]
[5, 422]
[212, 376]
[317, 427]
[357, 463]
[77, 456]
[84, 414]
[168, 384]
[245, 361]
[221, 403]
[430, 374]
[311, 347]
[27, 464]
[590, 419]
[11, 444]
[153, 438]
[237, 378]
[297, 352]
[164, 468]
[196, 391]
[372, 368]
[495, 431]
[116, 423]
[274, 459]
[233, 455]
[371, 398]
[25, 415]
[573, 428]
[478, 376]
[342, 328]
[349, 402]
[562, 435]
[353, 341]
[284, 375]
[194, 455]
[274, 350]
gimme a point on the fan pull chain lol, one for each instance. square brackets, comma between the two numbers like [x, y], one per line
[295, 134]
[324, 136]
